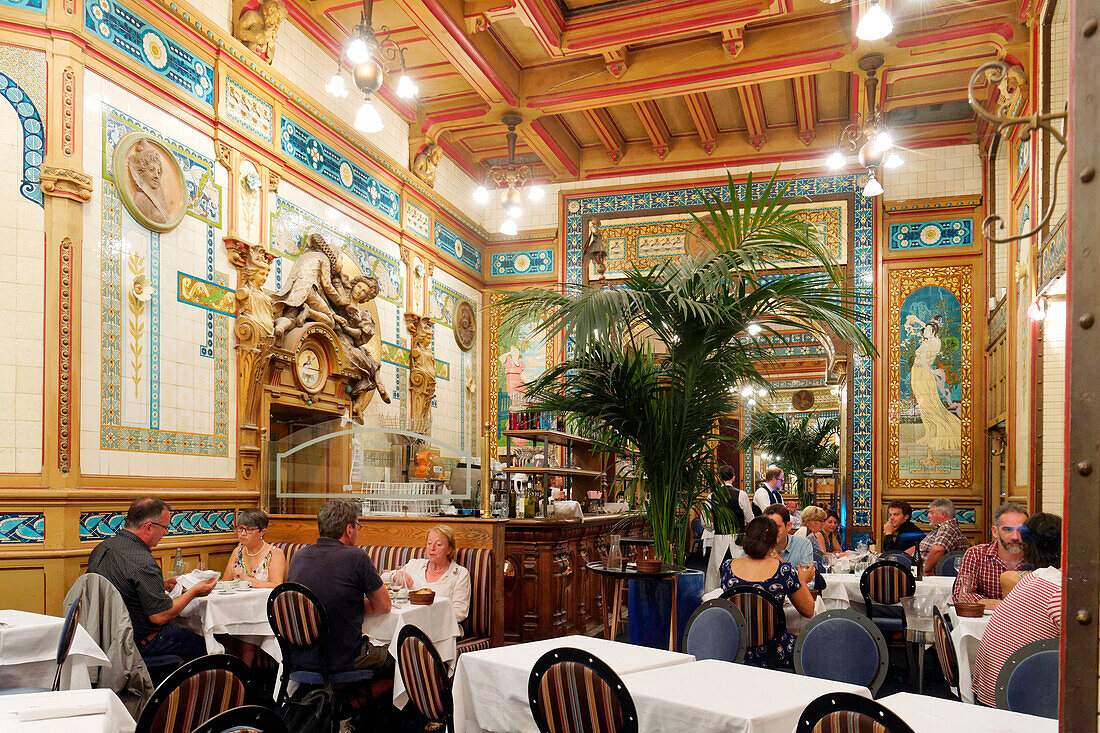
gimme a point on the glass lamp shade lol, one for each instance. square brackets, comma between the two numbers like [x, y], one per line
[405, 87]
[835, 161]
[874, 24]
[481, 195]
[535, 193]
[368, 76]
[893, 160]
[357, 51]
[368, 119]
[870, 156]
[883, 141]
[873, 187]
[508, 226]
[336, 86]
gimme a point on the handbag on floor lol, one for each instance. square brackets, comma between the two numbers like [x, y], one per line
[313, 712]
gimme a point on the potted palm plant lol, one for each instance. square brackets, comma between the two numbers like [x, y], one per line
[796, 444]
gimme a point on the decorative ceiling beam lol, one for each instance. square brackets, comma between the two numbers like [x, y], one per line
[752, 109]
[733, 40]
[805, 107]
[615, 62]
[543, 18]
[607, 131]
[554, 145]
[654, 124]
[703, 117]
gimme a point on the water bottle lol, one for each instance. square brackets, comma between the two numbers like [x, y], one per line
[614, 554]
[177, 564]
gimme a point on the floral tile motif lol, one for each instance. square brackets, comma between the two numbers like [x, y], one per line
[962, 516]
[22, 529]
[529, 262]
[34, 140]
[299, 144]
[128, 32]
[205, 294]
[451, 244]
[96, 526]
[443, 301]
[931, 234]
[36, 5]
[1052, 257]
[248, 110]
[418, 221]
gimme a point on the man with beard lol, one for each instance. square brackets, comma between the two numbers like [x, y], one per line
[979, 578]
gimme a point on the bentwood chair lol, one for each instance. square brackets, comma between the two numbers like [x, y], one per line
[571, 691]
[425, 676]
[245, 719]
[716, 630]
[885, 583]
[1028, 681]
[763, 612]
[195, 693]
[904, 560]
[844, 712]
[68, 633]
[945, 650]
[948, 565]
[843, 646]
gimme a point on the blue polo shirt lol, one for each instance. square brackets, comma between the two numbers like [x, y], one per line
[798, 551]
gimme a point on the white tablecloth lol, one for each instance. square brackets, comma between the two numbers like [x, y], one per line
[490, 686]
[28, 652]
[437, 621]
[241, 614]
[710, 695]
[842, 590]
[89, 711]
[966, 634]
[930, 715]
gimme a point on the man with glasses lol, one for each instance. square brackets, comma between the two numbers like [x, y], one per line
[127, 561]
[979, 578]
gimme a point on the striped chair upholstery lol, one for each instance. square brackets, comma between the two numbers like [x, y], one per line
[424, 674]
[194, 693]
[571, 691]
[945, 649]
[844, 712]
[887, 582]
[289, 548]
[846, 721]
[296, 618]
[764, 619]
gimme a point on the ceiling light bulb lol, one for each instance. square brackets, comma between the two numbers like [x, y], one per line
[535, 193]
[874, 24]
[357, 51]
[508, 227]
[481, 195]
[336, 86]
[836, 161]
[873, 187]
[513, 211]
[367, 118]
[746, 392]
[752, 403]
[893, 160]
[762, 392]
[1036, 311]
[883, 141]
[405, 87]
[754, 329]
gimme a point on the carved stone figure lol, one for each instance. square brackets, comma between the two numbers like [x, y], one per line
[595, 248]
[257, 26]
[150, 182]
[465, 326]
[313, 283]
[421, 369]
[425, 162]
[355, 328]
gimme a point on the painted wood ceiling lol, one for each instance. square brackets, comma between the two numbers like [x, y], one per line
[631, 87]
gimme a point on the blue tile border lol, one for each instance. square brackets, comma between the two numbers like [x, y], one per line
[449, 243]
[526, 262]
[101, 525]
[36, 5]
[22, 529]
[931, 234]
[34, 138]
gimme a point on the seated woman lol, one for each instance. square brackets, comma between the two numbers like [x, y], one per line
[761, 568]
[260, 563]
[438, 571]
[813, 520]
[1030, 612]
[830, 537]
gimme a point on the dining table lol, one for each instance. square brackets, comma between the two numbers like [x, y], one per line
[490, 686]
[966, 635]
[719, 696]
[842, 590]
[28, 652]
[65, 711]
[933, 715]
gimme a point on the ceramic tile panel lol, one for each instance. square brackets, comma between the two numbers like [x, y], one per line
[1059, 94]
[248, 110]
[454, 419]
[35, 5]
[24, 528]
[1054, 424]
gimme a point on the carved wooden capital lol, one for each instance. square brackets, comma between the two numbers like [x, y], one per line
[66, 183]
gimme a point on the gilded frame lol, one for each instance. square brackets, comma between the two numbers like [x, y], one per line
[157, 215]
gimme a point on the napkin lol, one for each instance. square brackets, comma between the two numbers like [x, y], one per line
[566, 510]
[43, 712]
[184, 582]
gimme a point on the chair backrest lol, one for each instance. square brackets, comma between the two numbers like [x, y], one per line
[843, 646]
[68, 633]
[572, 691]
[949, 564]
[194, 693]
[844, 712]
[716, 630]
[886, 582]
[945, 648]
[299, 621]
[1028, 681]
[424, 674]
[245, 719]
[289, 548]
[764, 617]
[905, 560]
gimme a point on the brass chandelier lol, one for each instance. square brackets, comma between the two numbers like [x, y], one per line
[511, 178]
[365, 53]
[876, 148]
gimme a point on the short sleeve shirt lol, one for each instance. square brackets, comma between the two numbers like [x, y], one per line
[341, 576]
[799, 551]
[947, 535]
[126, 561]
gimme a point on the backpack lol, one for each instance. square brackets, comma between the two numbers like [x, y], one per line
[313, 712]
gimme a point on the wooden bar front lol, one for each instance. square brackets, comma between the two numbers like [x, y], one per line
[547, 591]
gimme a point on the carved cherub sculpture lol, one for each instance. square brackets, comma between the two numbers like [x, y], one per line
[258, 24]
[425, 162]
[355, 328]
[311, 291]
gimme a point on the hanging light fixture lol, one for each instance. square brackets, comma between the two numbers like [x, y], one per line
[868, 137]
[874, 24]
[365, 53]
[512, 178]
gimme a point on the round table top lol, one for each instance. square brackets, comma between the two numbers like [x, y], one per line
[629, 571]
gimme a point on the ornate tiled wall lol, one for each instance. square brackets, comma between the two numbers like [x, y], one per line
[95, 526]
[454, 419]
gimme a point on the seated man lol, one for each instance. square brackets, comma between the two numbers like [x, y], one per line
[127, 562]
[899, 533]
[979, 578]
[945, 535]
[791, 548]
[344, 578]
[796, 513]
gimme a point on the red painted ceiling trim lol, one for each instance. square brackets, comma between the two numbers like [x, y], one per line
[1005, 30]
[459, 36]
[552, 144]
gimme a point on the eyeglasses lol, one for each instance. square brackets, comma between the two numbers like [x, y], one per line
[247, 529]
[162, 526]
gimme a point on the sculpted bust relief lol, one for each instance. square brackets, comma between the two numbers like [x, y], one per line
[425, 163]
[257, 26]
[150, 182]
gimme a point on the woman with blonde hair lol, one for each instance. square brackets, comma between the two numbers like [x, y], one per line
[438, 571]
[813, 520]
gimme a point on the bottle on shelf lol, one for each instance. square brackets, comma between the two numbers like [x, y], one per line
[529, 500]
[511, 508]
[177, 564]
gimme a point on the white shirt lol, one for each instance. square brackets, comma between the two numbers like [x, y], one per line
[742, 501]
[763, 498]
[454, 583]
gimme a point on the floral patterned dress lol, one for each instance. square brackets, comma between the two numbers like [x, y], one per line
[784, 582]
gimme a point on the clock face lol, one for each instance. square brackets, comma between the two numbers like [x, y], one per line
[311, 366]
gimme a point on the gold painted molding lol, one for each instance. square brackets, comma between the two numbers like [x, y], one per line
[66, 183]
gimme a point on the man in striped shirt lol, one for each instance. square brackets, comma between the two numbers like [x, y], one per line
[979, 578]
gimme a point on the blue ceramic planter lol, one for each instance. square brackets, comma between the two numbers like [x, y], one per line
[649, 607]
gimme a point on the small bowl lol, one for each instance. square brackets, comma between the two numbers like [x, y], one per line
[969, 610]
[648, 566]
[422, 597]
